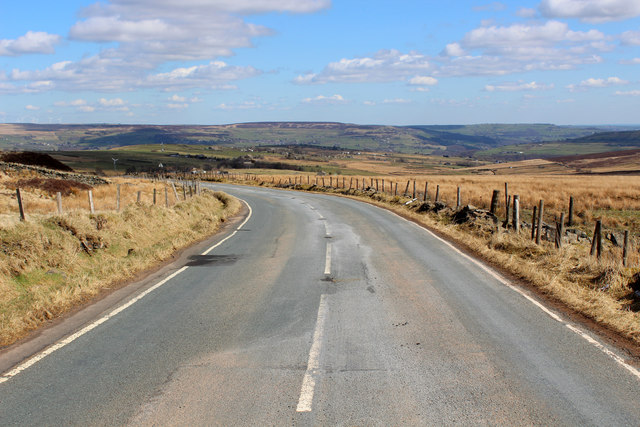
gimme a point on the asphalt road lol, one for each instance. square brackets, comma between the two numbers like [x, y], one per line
[322, 311]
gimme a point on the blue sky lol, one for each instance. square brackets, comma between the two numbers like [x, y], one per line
[369, 62]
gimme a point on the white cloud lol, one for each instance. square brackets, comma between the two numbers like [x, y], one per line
[369, 103]
[31, 107]
[143, 35]
[31, 42]
[397, 101]
[502, 50]
[630, 38]
[213, 75]
[115, 102]
[597, 83]
[321, 99]
[591, 10]
[453, 49]
[157, 31]
[177, 98]
[176, 106]
[628, 93]
[517, 87]
[523, 36]
[383, 66]
[423, 81]
[633, 61]
[74, 103]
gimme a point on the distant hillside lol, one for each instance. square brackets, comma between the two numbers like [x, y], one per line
[603, 142]
[460, 140]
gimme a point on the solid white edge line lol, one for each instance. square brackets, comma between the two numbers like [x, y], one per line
[587, 337]
[305, 402]
[327, 260]
[68, 340]
[235, 231]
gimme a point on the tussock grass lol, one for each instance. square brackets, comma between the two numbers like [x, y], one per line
[597, 289]
[50, 264]
[613, 199]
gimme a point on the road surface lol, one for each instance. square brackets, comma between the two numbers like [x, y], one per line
[322, 310]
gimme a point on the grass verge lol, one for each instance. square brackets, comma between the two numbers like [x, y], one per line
[51, 264]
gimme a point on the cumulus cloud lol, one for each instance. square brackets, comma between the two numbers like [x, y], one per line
[213, 75]
[453, 49]
[31, 107]
[591, 10]
[501, 50]
[517, 87]
[525, 37]
[163, 30]
[597, 83]
[423, 81]
[321, 99]
[115, 102]
[143, 35]
[109, 75]
[31, 42]
[383, 66]
[630, 38]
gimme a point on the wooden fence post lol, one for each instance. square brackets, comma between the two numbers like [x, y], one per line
[425, 191]
[458, 201]
[414, 189]
[117, 197]
[596, 243]
[59, 202]
[625, 249]
[533, 223]
[139, 196]
[437, 193]
[166, 196]
[516, 213]
[395, 192]
[494, 201]
[20, 206]
[506, 201]
[559, 232]
[91, 207]
[383, 185]
[154, 196]
[540, 217]
[376, 184]
[570, 222]
[175, 191]
[406, 189]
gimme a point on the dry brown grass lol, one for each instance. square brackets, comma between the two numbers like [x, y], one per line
[41, 201]
[49, 264]
[614, 199]
[595, 288]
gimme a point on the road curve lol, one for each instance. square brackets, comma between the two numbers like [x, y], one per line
[322, 310]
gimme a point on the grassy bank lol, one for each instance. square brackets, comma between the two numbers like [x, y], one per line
[51, 264]
[596, 288]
